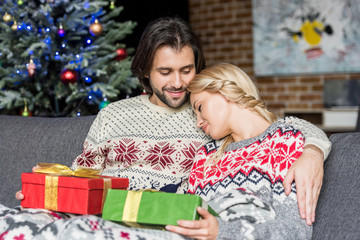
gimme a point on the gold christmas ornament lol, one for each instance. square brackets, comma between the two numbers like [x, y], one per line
[31, 67]
[96, 28]
[7, 17]
[14, 27]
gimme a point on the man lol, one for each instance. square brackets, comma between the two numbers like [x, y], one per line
[152, 139]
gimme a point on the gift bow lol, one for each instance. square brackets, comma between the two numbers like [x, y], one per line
[54, 170]
[62, 170]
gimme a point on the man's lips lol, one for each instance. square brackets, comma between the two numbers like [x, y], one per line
[176, 94]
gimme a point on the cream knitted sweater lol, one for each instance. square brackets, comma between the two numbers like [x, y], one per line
[154, 146]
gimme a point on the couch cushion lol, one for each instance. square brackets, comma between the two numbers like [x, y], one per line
[337, 213]
[24, 142]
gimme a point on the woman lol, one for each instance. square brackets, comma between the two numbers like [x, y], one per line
[252, 159]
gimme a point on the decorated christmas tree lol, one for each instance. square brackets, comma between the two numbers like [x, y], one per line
[63, 57]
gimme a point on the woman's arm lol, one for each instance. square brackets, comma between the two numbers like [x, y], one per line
[287, 225]
[246, 216]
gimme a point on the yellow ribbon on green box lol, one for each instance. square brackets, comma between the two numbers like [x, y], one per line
[132, 205]
[131, 208]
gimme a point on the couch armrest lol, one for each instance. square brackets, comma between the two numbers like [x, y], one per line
[24, 142]
[337, 213]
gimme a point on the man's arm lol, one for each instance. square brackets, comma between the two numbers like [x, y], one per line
[313, 135]
[308, 170]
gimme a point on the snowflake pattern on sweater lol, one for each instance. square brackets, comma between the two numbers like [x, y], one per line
[153, 146]
[249, 164]
[259, 166]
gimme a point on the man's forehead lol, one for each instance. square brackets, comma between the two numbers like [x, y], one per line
[171, 58]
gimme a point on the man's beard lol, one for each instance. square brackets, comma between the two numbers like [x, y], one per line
[170, 102]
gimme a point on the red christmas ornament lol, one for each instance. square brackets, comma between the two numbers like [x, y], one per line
[121, 54]
[68, 76]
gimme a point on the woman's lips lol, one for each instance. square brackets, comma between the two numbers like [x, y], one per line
[204, 128]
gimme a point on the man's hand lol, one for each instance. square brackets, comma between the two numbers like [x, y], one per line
[308, 173]
[18, 194]
[206, 228]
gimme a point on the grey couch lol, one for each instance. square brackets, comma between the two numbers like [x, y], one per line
[27, 141]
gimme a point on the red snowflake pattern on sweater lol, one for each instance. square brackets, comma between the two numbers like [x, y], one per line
[126, 151]
[160, 155]
[87, 158]
[272, 156]
[189, 152]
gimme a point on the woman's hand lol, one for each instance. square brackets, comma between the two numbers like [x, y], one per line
[308, 173]
[206, 228]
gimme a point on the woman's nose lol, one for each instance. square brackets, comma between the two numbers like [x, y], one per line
[199, 122]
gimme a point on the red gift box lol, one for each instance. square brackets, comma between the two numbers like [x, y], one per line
[68, 194]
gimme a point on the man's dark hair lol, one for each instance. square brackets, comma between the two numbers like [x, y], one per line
[166, 31]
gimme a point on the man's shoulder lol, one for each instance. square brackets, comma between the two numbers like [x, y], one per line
[125, 104]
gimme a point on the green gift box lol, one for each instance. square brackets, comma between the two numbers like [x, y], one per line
[151, 208]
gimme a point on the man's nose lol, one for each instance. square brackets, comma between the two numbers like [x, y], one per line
[177, 81]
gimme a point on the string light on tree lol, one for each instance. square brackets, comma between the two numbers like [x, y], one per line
[44, 52]
[88, 80]
[57, 56]
[68, 76]
[121, 54]
[96, 28]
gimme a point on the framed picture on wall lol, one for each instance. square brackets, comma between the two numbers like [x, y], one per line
[308, 36]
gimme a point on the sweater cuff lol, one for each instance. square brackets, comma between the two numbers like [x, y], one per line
[223, 230]
[324, 146]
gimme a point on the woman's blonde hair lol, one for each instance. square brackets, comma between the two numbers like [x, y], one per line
[236, 86]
